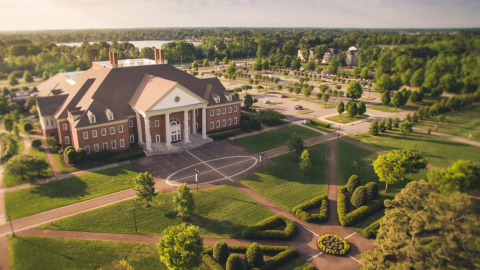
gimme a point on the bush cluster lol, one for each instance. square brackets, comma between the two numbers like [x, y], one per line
[320, 123]
[220, 252]
[333, 244]
[372, 190]
[222, 135]
[301, 210]
[211, 263]
[254, 256]
[353, 183]
[234, 263]
[9, 145]
[283, 255]
[359, 197]
[348, 219]
[447, 105]
[372, 230]
[263, 229]
[127, 155]
[249, 109]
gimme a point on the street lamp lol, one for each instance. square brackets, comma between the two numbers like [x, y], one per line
[181, 61]
[135, 219]
[338, 132]
[11, 226]
[196, 176]
[248, 52]
[261, 161]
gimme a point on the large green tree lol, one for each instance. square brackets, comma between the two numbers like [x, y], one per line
[144, 187]
[462, 175]
[181, 247]
[296, 143]
[183, 200]
[354, 90]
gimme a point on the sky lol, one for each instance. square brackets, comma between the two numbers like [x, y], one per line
[89, 14]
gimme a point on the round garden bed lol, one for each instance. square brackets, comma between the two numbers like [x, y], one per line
[333, 244]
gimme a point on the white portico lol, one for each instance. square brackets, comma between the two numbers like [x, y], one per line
[168, 113]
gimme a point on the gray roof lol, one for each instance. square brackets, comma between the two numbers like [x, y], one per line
[49, 105]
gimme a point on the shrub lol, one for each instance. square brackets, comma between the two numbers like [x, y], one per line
[320, 123]
[262, 230]
[220, 252]
[333, 244]
[52, 143]
[36, 143]
[244, 117]
[65, 151]
[211, 263]
[105, 153]
[71, 156]
[81, 155]
[396, 122]
[372, 230]
[222, 135]
[301, 210]
[372, 190]
[127, 155]
[348, 219]
[28, 127]
[280, 259]
[255, 124]
[359, 197]
[353, 183]
[254, 256]
[234, 263]
[245, 126]
[309, 267]
[9, 145]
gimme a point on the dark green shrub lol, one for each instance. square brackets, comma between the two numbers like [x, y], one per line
[36, 143]
[301, 210]
[348, 219]
[234, 263]
[71, 156]
[105, 153]
[359, 197]
[280, 259]
[372, 190]
[353, 183]
[222, 135]
[245, 126]
[27, 127]
[65, 151]
[220, 252]
[211, 263]
[255, 124]
[320, 123]
[309, 267]
[127, 155]
[81, 155]
[244, 117]
[263, 229]
[333, 244]
[254, 256]
[94, 156]
[372, 230]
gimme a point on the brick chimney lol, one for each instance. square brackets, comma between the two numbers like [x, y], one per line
[158, 56]
[110, 57]
[113, 59]
[161, 56]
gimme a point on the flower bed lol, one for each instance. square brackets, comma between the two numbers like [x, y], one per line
[333, 244]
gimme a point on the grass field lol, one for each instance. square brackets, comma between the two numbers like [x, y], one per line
[27, 252]
[219, 212]
[304, 111]
[254, 115]
[11, 180]
[275, 138]
[68, 191]
[64, 169]
[461, 123]
[282, 182]
[295, 264]
[328, 130]
[345, 119]
[438, 151]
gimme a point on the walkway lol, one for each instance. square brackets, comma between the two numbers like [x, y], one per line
[264, 129]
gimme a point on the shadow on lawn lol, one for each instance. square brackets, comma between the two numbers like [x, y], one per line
[72, 188]
[45, 248]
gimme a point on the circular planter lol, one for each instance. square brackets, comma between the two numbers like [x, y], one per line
[333, 244]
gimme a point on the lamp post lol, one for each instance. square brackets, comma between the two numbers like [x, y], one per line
[135, 220]
[11, 226]
[248, 53]
[181, 61]
[261, 161]
[196, 176]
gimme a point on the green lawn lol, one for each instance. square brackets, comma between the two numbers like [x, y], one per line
[275, 138]
[438, 151]
[345, 119]
[368, 98]
[295, 264]
[460, 123]
[282, 182]
[219, 212]
[255, 115]
[27, 252]
[64, 168]
[304, 111]
[390, 108]
[329, 106]
[68, 191]
[328, 130]
[11, 180]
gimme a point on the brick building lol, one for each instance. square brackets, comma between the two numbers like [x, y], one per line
[120, 102]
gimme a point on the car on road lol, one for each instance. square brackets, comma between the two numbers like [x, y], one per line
[266, 102]
[283, 96]
[298, 107]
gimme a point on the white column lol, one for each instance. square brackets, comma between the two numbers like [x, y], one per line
[168, 134]
[204, 123]
[139, 127]
[148, 137]
[186, 136]
[194, 121]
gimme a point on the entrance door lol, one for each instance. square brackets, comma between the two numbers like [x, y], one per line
[175, 128]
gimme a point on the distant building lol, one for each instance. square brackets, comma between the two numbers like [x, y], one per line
[20, 97]
[310, 55]
[351, 58]
[330, 54]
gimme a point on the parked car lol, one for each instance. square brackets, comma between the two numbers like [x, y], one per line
[266, 102]
[298, 107]
[283, 96]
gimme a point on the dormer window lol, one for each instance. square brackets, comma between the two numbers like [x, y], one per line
[229, 97]
[109, 115]
[216, 98]
[93, 120]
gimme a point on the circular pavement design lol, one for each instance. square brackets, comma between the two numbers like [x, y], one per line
[212, 170]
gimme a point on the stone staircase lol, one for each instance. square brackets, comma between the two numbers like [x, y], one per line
[161, 148]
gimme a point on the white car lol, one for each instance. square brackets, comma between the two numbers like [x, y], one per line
[266, 102]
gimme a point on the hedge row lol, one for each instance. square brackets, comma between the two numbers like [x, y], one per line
[319, 123]
[309, 267]
[372, 230]
[301, 210]
[9, 145]
[321, 246]
[127, 155]
[348, 219]
[222, 135]
[211, 263]
[262, 230]
[285, 254]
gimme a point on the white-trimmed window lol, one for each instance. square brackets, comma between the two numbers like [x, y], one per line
[94, 133]
[229, 121]
[105, 145]
[224, 110]
[122, 142]
[85, 135]
[196, 112]
[196, 126]
[46, 122]
[67, 139]
[65, 126]
[120, 129]
[110, 116]
[235, 108]
[229, 109]
[224, 122]
[212, 112]
[51, 122]
[212, 124]
[157, 137]
[218, 123]
[157, 123]
[130, 123]
[104, 132]
[87, 149]
[132, 138]
[96, 148]
[235, 120]
[112, 130]
[93, 120]
[114, 144]
[218, 111]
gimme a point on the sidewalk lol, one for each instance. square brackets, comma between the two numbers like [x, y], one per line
[264, 129]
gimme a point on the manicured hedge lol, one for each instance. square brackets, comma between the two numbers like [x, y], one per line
[348, 219]
[319, 123]
[285, 254]
[220, 252]
[309, 267]
[262, 230]
[372, 230]
[326, 249]
[211, 263]
[127, 155]
[301, 210]
[222, 135]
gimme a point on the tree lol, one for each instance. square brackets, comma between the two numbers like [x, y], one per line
[248, 102]
[354, 90]
[216, 61]
[31, 101]
[323, 88]
[333, 66]
[441, 118]
[37, 164]
[364, 73]
[305, 163]
[232, 67]
[16, 130]
[325, 98]
[183, 200]
[46, 75]
[340, 107]
[396, 122]
[397, 99]
[254, 256]
[17, 166]
[51, 142]
[389, 123]
[359, 197]
[310, 65]
[307, 92]
[27, 77]
[382, 126]
[8, 123]
[71, 156]
[12, 80]
[296, 143]
[36, 143]
[181, 247]
[406, 127]
[386, 98]
[27, 127]
[384, 83]
[389, 169]
[361, 108]
[462, 176]
[225, 60]
[355, 72]
[270, 116]
[352, 109]
[144, 187]
[206, 63]
[195, 64]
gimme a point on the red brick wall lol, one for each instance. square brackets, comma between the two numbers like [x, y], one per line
[91, 141]
[223, 116]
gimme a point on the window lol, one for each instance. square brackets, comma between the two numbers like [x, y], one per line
[67, 140]
[46, 122]
[110, 116]
[212, 125]
[132, 138]
[218, 123]
[96, 148]
[229, 109]
[224, 122]
[120, 129]
[104, 132]
[212, 112]
[130, 123]
[105, 145]
[229, 97]
[65, 126]
[235, 120]
[93, 120]
[196, 126]
[196, 112]
[87, 149]
[51, 122]
[229, 121]
[122, 142]
[224, 110]
[235, 109]
[94, 133]
[218, 111]
[85, 135]
[112, 130]
[157, 123]
[157, 137]
[114, 144]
